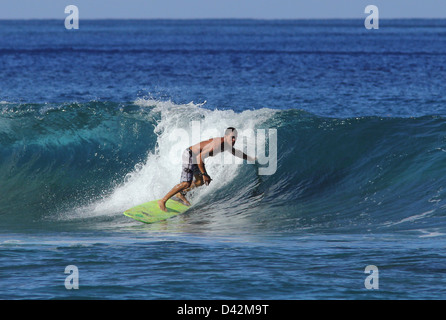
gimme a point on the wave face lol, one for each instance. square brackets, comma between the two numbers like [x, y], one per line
[54, 157]
[96, 159]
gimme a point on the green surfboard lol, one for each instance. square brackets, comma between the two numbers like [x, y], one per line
[150, 212]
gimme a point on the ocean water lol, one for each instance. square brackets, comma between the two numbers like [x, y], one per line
[89, 127]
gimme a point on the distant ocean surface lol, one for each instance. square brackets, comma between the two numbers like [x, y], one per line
[89, 119]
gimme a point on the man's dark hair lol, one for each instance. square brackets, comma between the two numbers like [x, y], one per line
[230, 130]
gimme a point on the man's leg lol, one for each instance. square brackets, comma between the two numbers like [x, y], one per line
[181, 195]
[198, 182]
[178, 188]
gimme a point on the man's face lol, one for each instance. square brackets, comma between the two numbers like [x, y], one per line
[231, 138]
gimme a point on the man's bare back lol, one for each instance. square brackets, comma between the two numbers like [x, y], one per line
[208, 148]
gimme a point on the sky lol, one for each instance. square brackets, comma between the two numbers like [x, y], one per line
[205, 9]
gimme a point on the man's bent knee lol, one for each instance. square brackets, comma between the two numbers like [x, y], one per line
[185, 184]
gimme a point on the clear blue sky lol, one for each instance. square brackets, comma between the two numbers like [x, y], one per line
[187, 9]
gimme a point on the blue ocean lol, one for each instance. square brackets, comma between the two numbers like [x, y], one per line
[89, 119]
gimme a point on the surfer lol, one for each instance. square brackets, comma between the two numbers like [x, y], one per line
[193, 164]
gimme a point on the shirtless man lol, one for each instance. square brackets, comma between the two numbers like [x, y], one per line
[193, 164]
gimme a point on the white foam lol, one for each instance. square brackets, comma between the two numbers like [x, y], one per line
[430, 234]
[414, 217]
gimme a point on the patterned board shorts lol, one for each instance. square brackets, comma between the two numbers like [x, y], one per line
[189, 169]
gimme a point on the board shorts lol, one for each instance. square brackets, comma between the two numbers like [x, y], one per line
[189, 168]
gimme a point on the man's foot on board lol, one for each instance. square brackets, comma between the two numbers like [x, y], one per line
[182, 199]
[162, 205]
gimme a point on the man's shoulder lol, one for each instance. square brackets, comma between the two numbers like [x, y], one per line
[216, 141]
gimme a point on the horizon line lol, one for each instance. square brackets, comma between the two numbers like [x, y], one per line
[267, 19]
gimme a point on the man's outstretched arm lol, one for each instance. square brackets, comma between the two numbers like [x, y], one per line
[242, 155]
